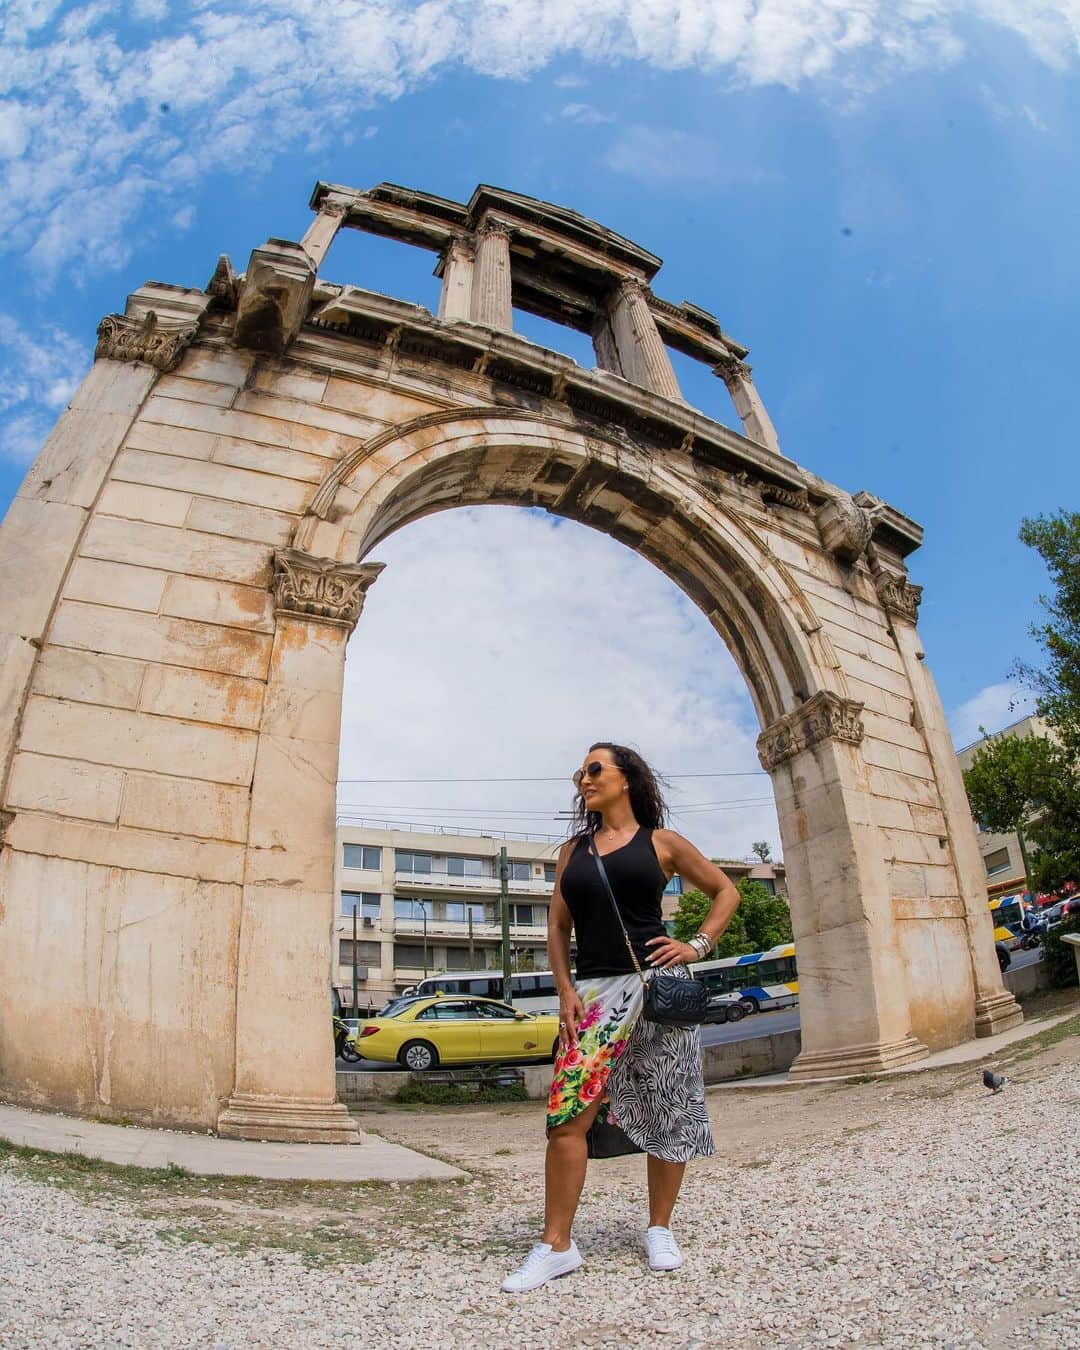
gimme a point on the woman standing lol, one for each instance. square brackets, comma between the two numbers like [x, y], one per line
[651, 1074]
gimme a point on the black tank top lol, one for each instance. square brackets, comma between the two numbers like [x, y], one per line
[638, 881]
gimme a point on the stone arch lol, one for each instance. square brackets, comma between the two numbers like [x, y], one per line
[504, 456]
[190, 551]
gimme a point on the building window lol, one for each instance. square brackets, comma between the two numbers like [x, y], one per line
[367, 953]
[520, 871]
[406, 861]
[407, 957]
[527, 914]
[409, 909]
[455, 911]
[364, 856]
[998, 861]
[465, 867]
[549, 873]
[457, 958]
[674, 886]
[364, 904]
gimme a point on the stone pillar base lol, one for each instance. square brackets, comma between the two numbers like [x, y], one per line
[873, 1057]
[996, 1012]
[287, 1120]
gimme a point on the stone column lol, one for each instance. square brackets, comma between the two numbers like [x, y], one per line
[285, 1084]
[491, 293]
[458, 265]
[642, 354]
[852, 991]
[995, 1008]
[323, 229]
[757, 424]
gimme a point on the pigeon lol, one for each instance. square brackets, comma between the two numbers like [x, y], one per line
[994, 1081]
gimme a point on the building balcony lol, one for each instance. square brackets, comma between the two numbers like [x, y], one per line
[459, 931]
[448, 884]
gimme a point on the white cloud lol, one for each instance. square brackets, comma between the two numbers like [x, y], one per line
[500, 643]
[991, 709]
[585, 114]
[658, 156]
[39, 376]
[98, 114]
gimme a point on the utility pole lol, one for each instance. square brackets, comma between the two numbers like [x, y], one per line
[355, 996]
[472, 947]
[504, 886]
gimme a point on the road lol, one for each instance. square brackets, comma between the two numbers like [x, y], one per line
[758, 1024]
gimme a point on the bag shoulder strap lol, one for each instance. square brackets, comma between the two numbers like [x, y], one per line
[614, 905]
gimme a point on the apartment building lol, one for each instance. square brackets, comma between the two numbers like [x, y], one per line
[1001, 852]
[428, 901]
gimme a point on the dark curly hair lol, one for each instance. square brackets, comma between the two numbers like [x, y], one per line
[646, 799]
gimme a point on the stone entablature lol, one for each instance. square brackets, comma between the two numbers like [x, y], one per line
[824, 717]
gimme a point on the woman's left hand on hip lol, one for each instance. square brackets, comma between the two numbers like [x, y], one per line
[667, 952]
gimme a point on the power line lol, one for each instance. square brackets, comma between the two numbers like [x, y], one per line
[540, 813]
[748, 773]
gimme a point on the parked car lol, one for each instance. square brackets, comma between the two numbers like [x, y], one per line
[421, 1033]
[725, 1008]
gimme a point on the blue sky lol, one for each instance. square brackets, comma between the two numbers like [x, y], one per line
[879, 200]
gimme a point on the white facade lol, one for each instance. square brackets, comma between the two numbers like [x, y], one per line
[415, 893]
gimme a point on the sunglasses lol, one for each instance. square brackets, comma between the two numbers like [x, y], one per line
[593, 770]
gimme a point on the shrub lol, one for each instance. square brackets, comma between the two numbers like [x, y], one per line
[1058, 955]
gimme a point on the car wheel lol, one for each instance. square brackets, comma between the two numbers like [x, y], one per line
[736, 1012]
[418, 1056]
[749, 1005]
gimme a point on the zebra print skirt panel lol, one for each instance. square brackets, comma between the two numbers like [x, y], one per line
[651, 1074]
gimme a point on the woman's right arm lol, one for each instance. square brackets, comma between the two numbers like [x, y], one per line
[560, 927]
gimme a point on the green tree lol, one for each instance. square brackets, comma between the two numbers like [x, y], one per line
[1058, 955]
[1006, 783]
[760, 922]
[1056, 538]
[762, 849]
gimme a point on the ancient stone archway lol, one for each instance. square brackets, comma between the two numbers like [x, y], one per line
[188, 556]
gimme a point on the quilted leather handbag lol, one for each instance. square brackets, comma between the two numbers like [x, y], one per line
[667, 999]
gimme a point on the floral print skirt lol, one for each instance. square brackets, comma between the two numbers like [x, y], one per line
[651, 1074]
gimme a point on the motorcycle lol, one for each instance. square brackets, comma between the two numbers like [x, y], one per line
[344, 1043]
[1033, 936]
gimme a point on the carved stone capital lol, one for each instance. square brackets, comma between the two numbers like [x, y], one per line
[333, 204]
[798, 499]
[148, 339]
[306, 587]
[899, 596]
[825, 716]
[461, 248]
[491, 227]
[730, 368]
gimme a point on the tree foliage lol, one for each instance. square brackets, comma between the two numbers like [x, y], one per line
[761, 848]
[760, 922]
[1056, 538]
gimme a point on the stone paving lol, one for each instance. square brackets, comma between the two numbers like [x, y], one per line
[916, 1210]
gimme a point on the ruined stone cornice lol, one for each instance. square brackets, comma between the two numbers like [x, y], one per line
[825, 716]
[899, 596]
[323, 589]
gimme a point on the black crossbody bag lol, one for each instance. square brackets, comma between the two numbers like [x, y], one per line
[668, 1000]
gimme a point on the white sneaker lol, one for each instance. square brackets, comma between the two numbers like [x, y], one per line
[542, 1264]
[662, 1249]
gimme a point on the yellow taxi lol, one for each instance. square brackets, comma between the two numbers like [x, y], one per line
[421, 1033]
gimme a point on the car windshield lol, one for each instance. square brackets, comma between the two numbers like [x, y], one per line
[396, 1006]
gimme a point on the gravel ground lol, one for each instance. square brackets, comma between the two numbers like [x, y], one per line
[905, 1211]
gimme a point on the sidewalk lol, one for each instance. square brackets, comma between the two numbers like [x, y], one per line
[968, 1052]
[206, 1155]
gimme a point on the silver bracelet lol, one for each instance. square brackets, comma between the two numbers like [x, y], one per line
[702, 943]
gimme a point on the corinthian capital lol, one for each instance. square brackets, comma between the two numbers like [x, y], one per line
[306, 587]
[899, 596]
[147, 339]
[824, 717]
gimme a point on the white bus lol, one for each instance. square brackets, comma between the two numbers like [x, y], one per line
[531, 990]
[762, 980]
